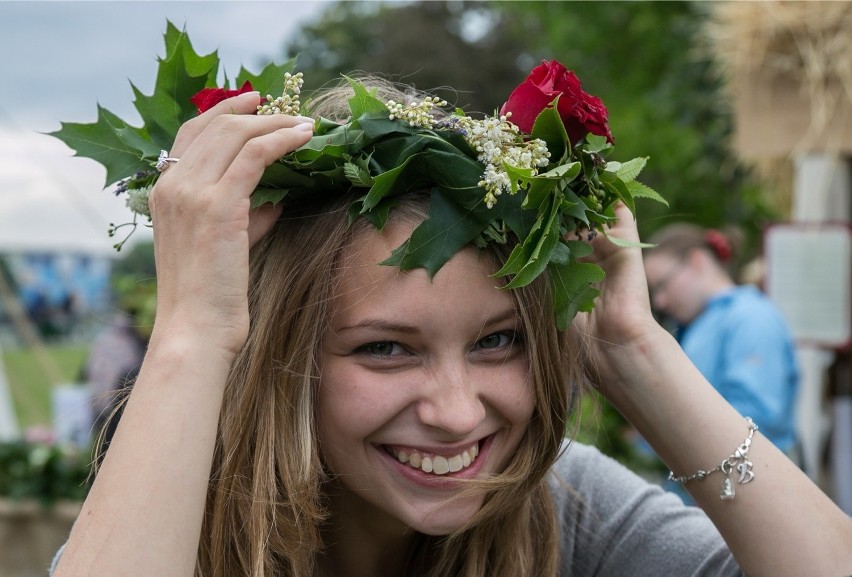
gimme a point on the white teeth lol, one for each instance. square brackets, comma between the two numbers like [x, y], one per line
[440, 466]
[437, 464]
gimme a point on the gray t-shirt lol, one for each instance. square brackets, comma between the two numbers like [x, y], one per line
[614, 523]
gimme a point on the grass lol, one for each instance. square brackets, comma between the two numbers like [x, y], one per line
[29, 384]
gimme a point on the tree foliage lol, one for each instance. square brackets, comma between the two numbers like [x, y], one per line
[434, 46]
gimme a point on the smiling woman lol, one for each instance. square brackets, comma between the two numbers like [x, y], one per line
[370, 372]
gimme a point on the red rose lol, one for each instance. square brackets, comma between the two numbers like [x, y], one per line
[581, 113]
[207, 98]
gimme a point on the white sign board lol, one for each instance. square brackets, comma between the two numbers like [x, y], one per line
[809, 276]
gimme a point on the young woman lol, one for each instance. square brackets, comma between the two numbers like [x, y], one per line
[305, 411]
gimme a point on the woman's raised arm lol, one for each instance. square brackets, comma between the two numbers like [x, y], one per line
[143, 515]
[778, 524]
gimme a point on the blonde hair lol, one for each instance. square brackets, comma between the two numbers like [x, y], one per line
[266, 504]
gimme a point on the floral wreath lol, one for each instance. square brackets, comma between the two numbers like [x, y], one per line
[536, 172]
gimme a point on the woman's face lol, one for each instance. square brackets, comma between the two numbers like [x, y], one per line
[424, 382]
[675, 286]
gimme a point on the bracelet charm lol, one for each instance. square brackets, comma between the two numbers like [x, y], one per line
[738, 462]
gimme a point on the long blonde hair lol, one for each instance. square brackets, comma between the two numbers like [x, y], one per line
[266, 504]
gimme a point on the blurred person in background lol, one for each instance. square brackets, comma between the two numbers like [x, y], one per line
[117, 350]
[733, 333]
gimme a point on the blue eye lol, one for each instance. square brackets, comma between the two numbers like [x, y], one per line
[382, 348]
[497, 340]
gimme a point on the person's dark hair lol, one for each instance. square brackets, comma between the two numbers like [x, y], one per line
[680, 239]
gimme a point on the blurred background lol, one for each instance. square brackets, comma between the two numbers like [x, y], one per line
[744, 108]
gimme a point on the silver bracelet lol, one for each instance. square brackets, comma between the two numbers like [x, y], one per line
[738, 460]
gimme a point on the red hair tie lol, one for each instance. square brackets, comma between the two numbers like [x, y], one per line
[718, 244]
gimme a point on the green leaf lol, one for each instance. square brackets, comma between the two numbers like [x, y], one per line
[518, 177]
[180, 74]
[628, 171]
[548, 126]
[639, 190]
[572, 289]
[357, 175]
[101, 141]
[539, 191]
[364, 101]
[448, 228]
[613, 184]
[579, 248]
[568, 171]
[270, 80]
[597, 144]
[262, 195]
[624, 243]
[138, 138]
[377, 216]
[574, 207]
[540, 255]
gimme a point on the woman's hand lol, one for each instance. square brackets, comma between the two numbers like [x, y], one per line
[203, 225]
[621, 320]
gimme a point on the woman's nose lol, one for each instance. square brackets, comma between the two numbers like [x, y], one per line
[451, 402]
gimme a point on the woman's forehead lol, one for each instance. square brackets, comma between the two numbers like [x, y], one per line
[463, 286]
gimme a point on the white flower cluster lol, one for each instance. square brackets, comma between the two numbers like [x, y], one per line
[288, 102]
[416, 114]
[498, 143]
[137, 200]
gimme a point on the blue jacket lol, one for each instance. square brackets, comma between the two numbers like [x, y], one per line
[742, 345]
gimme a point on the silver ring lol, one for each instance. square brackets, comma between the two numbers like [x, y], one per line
[164, 160]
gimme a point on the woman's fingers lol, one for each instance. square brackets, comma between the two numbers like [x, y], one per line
[261, 151]
[224, 137]
[245, 103]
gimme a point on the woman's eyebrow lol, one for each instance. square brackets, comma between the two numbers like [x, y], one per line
[505, 315]
[379, 324]
[403, 328]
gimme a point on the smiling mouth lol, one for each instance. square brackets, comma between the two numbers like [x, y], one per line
[435, 464]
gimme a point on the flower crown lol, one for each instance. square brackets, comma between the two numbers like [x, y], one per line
[536, 172]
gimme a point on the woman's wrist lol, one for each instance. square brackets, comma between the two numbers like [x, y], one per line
[625, 367]
[175, 351]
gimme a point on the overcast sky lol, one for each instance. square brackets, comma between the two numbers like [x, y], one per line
[62, 58]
